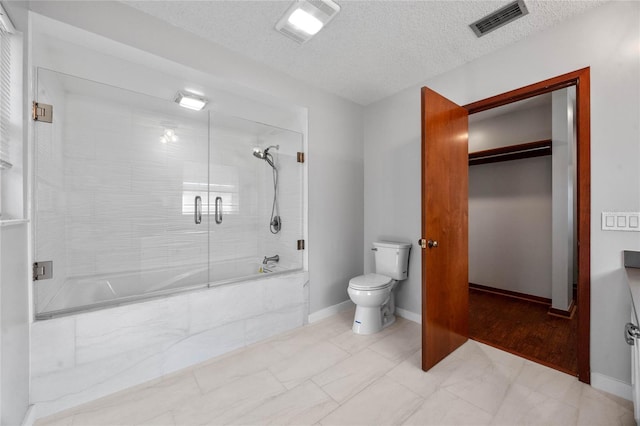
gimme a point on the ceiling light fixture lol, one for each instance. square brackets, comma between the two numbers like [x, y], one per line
[305, 18]
[305, 21]
[190, 101]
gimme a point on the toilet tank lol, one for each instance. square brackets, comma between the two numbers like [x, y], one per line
[392, 259]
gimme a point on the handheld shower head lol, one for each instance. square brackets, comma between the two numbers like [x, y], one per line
[257, 152]
[275, 225]
[265, 155]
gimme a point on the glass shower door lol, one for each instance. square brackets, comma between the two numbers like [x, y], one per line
[250, 162]
[120, 195]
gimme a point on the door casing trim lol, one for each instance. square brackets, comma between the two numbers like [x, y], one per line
[581, 80]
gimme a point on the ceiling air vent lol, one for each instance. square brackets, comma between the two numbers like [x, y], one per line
[500, 17]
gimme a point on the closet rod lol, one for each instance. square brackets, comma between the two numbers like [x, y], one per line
[513, 152]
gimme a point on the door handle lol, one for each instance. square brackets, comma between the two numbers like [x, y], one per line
[218, 212]
[197, 215]
[424, 243]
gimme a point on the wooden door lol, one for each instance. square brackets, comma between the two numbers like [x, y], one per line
[445, 275]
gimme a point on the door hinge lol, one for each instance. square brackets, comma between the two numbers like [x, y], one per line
[42, 112]
[42, 270]
[300, 244]
[300, 157]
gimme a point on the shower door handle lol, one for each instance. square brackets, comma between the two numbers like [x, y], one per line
[197, 216]
[218, 213]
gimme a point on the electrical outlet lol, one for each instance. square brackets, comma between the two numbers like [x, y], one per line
[621, 221]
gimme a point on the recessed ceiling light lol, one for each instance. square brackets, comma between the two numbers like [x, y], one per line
[190, 101]
[306, 17]
[305, 21]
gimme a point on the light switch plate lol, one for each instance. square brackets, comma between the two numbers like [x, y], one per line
[621, 221]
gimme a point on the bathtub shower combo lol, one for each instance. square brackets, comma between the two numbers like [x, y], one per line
[137, 198]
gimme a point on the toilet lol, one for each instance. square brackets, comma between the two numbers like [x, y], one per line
[373, 293]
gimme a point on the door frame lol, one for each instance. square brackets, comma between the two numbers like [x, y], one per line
[581, 80]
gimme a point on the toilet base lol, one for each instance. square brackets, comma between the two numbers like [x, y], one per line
[370, 320]
[388, 320]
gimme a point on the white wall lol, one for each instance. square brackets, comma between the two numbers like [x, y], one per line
[510, 225]
[510, 205]
[608, 40]
[488, 131]
[335, 161]
[14, 243]
[564, 212]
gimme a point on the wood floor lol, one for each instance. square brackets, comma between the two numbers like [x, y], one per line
[524, 328]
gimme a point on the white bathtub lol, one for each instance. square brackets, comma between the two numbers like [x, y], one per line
[87, 293]
[78, 357]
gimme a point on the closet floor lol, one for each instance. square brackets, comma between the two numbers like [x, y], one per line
[524, 328]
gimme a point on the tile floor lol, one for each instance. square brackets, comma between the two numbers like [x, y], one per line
[323, 374]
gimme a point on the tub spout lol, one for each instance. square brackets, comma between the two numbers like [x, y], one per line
[275, 258]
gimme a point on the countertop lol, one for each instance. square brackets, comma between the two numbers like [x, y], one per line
[632, 266]
[633, 277]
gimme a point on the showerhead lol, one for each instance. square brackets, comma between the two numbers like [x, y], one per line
[257, 152]
[265, 155]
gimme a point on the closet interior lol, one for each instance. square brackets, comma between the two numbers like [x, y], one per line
[522, 229]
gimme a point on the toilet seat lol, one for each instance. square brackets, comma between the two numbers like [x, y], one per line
[370, 282]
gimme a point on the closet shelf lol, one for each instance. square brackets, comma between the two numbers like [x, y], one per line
[513, 152]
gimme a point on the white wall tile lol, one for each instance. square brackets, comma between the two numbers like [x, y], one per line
[273, 323]
[90, 355]
[52, 345]
[224, 304]
[282, 291]
[106, 333]
[202, 346]
[67, 388]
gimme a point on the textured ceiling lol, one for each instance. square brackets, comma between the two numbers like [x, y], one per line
[372, 49]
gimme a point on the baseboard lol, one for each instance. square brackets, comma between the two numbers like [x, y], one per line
[568, 314]
[30, 416]
[348, 304]
[408, 315]
[509, 293]
[331, 310]
[611, 385]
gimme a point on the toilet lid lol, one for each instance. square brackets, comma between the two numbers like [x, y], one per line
[369, 282]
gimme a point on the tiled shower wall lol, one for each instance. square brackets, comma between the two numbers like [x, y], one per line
[283, 243]
[112, 197]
